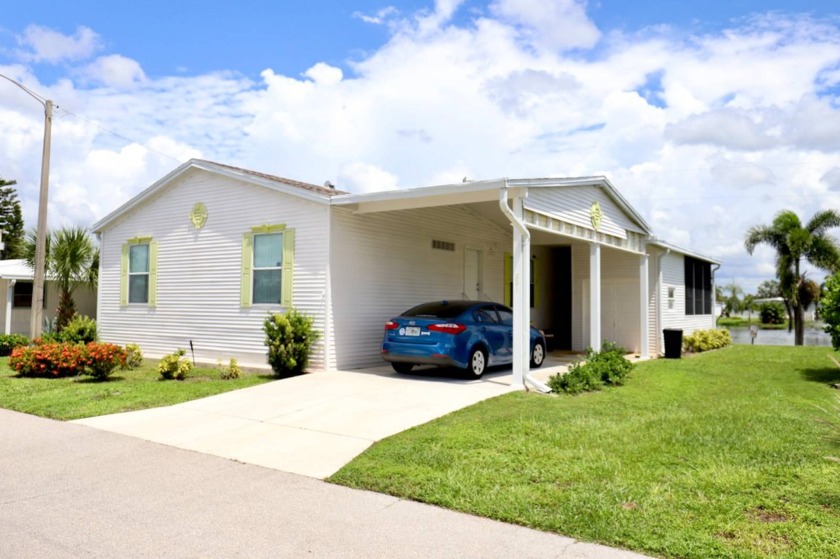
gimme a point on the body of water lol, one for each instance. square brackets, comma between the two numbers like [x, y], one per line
[813, 337]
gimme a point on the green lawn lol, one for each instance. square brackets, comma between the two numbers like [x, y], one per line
[723, 454]
[77, 397]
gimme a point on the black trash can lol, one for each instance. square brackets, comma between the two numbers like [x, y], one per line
[673, 342]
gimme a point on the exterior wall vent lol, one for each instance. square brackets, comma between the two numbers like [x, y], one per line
[443, 245]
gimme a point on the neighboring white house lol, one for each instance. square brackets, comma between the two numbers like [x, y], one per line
[16, 281]
[206, 252]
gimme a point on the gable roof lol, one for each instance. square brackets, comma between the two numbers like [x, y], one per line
[300, 189]
[477, 191]
[326, 191]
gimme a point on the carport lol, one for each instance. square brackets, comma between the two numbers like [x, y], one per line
[574, 243]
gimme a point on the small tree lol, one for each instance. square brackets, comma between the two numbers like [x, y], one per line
[72, 260]
[11, 221]
[732, 302]
[772, 313]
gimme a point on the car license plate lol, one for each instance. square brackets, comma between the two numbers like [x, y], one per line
[412, 330]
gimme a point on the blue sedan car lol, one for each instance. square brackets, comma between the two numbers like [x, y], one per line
[470, 335]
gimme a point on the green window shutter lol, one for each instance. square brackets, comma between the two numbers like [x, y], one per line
[247, 262]
[153, 267]
[508, 279]
[288, 267]
[124, 277]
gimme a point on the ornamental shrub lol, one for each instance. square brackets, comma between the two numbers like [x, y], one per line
[175, 366]
[101, 359]
[52, 360]
[772, 313]
[829, 309]
[705, 340]
[289, 338]
[10, 341]
[231, 371]
[80, 330]
[48, 360]
[605, 367]
[133, 356]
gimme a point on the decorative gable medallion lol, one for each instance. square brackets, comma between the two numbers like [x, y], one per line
[596, 215]
[198, 215]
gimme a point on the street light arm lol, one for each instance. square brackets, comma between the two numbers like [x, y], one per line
[27, 90]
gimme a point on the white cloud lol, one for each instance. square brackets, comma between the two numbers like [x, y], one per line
[551, 24]
[726, 127]
[832, 178]
[363, 177]
[42, 44]
[379, 17]
[706, 135]
[324, 74]
[115, 71]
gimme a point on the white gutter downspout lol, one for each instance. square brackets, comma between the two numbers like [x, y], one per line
[659, 306]
[521, 338]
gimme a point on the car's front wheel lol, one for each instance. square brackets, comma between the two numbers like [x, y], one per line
[477, 363]
[537, 354]
[402, 368]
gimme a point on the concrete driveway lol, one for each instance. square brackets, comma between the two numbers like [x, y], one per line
[312, 424]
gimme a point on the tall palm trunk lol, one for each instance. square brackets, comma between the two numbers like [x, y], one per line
[799, 325]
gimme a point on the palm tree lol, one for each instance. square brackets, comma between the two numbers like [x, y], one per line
[794, 242]
[71, 260]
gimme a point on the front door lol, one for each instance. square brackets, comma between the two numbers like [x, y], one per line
[472, 274]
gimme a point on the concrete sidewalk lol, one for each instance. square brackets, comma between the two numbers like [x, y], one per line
[312, 424]
[69, 491]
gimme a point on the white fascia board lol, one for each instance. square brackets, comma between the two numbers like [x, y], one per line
[674, 248]
[162, 183]
[406, 194]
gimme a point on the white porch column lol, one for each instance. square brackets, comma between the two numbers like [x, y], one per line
[595, 296]
[644, 326]
[521, 298]
[10, 295]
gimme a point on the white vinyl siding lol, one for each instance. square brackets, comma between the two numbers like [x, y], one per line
[572, 205]
[199, 270]
[673, 275]
[384, 263]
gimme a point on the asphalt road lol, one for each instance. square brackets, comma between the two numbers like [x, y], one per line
[70, 491]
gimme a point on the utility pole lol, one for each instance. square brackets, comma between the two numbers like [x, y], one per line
[43, 200]
[41, 234]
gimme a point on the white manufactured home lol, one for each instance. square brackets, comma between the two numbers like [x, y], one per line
[189, 260]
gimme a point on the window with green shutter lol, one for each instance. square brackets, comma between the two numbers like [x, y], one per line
[267, 266]
[138, 272]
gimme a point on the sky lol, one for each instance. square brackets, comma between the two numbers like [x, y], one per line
[708, 117]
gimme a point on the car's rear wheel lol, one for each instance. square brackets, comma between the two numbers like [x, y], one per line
[403, 368]
[538, 354]
[477, 363]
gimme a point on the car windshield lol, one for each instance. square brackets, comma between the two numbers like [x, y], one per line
[439, 309]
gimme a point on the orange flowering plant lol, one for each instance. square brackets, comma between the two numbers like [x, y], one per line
[53, 359]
